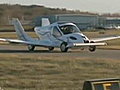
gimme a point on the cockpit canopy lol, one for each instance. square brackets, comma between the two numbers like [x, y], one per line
[59, 29]
[68, 29]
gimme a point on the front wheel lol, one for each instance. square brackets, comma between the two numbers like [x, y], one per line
[31, 47]
[63, 47]
[92, 48]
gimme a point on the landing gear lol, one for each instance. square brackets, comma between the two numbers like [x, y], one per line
[51, 48]
[63, 47]
[31, 47]
[92, 48]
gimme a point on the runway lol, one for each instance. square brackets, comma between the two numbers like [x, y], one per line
[43, 52]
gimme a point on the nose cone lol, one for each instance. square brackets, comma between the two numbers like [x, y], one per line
[76, 38]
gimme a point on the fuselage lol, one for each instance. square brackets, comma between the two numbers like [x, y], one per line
[61, 32]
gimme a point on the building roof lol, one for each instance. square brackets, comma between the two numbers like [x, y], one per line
[75, 15]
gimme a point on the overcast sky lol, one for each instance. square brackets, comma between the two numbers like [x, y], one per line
[100, 6]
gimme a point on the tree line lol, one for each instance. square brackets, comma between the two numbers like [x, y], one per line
[8, 11]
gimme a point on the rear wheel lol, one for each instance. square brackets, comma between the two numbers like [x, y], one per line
[31, 47]
[63, 47]
[51, 48]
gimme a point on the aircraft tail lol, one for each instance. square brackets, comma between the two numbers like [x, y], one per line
[45, 22]
[20, 30]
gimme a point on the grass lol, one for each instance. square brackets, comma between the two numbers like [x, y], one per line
[18, 72]
[10, 28]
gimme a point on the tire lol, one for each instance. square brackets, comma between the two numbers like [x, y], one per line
[92, 48]
[63, 47]
[51, 48]
[31, 48]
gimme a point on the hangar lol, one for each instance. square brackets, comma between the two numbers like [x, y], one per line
[113, 21]
[83, 21]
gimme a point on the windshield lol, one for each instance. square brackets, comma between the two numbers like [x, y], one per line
[68, 29]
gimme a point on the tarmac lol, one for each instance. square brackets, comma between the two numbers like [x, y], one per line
[39, 51]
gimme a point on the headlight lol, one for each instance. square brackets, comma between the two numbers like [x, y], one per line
[73, 38]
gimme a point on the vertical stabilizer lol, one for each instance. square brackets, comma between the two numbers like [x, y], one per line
[20, 30]
[45, 22]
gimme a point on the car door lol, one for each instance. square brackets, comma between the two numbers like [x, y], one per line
[55, 35]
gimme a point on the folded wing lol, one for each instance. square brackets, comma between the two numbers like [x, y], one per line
[105, 39]
[33, 42]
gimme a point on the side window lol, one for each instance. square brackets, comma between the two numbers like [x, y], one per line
[56, 32]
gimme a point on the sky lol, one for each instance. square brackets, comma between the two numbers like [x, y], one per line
[97, 6]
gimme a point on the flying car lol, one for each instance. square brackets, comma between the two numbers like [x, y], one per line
[63, 35]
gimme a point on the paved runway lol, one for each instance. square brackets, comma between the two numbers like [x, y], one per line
[22, 50]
